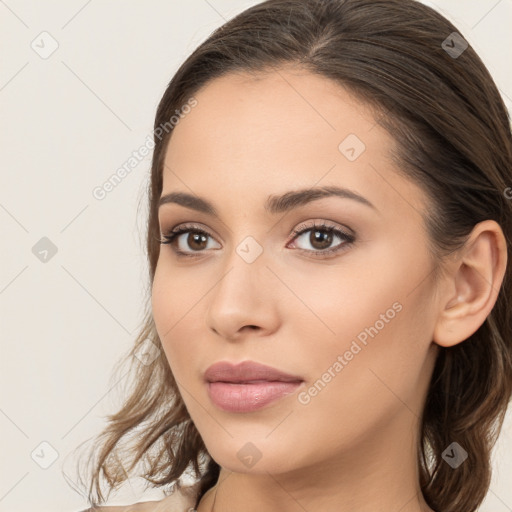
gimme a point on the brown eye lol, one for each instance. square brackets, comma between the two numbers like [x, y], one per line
[187, 240]
[196, 241]
[318, 239]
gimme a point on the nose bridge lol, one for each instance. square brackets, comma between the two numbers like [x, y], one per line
[242, 293]
[243, 271]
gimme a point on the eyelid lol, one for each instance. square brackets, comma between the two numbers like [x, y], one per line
[180, 229]
[347, 235]
[187, 226]
[310, 224]
[323, 224]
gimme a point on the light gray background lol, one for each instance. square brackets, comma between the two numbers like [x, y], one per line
[68, 122]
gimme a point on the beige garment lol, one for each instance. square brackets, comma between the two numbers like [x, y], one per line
[181, 500]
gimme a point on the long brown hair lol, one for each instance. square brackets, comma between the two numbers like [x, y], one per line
[454, 139]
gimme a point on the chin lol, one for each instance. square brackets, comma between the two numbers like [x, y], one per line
[252, 457]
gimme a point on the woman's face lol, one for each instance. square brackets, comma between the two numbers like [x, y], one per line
[351, 314]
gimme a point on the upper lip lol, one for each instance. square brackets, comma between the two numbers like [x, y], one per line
[246, 371]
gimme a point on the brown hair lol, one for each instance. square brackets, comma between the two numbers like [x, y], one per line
[454, 139]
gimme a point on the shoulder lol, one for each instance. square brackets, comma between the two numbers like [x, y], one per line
[143, 506]
[182, 501]
[136, 507]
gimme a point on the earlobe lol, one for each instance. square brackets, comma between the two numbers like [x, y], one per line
[472, 284]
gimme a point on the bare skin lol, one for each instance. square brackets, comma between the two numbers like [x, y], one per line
[352, 446]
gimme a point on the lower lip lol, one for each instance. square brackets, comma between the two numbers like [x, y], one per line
[248, 397]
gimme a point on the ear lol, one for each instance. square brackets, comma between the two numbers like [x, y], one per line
[472, 284]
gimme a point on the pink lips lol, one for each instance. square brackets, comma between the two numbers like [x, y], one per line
[247, 386]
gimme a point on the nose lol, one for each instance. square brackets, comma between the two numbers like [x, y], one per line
[244, 300]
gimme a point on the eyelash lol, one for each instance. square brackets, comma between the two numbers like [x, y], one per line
[348, 238]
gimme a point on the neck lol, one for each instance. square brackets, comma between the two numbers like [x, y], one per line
[377, 474]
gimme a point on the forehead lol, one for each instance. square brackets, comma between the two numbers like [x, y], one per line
[276, 131]
[243, 111]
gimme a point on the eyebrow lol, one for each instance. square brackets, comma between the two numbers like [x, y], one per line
[275, 204]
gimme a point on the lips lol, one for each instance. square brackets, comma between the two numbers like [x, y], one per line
[247, 372]
[248, 386]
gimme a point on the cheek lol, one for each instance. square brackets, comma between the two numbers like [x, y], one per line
[374, 311]
[368, 286]
[371, 373]
[166, 297]
[176, 305]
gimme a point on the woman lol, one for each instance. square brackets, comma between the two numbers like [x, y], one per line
[330, 218]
